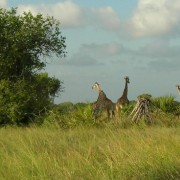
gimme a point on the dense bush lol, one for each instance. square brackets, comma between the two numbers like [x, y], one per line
[22, 101]
[67, 115]
[166, 103]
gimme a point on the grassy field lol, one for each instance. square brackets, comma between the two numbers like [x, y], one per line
[86, 153]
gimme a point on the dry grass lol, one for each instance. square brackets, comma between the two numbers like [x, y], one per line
[90, 153]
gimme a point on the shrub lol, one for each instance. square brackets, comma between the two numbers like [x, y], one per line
[71, 116]
[165, 103]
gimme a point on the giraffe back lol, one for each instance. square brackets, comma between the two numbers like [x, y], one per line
[103, 103]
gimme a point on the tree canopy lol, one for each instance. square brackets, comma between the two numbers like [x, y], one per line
[25, 42]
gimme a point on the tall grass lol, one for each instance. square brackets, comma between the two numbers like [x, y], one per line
[90, 153]
[70, 144]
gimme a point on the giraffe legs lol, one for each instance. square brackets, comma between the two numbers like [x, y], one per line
[108, 113]
[95, 113]
[96, 110]
[113, 114]
[118, 108]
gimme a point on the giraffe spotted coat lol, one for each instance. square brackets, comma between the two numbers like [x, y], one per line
[103, 103]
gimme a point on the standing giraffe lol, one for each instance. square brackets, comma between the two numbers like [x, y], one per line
[123, 99]
[102, 102]
[178, 88]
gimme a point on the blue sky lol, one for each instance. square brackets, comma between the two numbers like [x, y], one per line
[108, 40]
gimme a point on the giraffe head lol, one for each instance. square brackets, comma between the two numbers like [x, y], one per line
[178, 88]
[127, 79]
[96, 85]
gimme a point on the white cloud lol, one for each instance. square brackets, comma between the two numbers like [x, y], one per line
[3, 3]
[154, 17]
[69, 13]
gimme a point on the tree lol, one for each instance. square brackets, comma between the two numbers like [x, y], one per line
[24, 40]
[25, 43]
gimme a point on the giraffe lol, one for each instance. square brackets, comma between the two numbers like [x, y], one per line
[178, 88]
[123, 99]
[177, 112]
[102, 102]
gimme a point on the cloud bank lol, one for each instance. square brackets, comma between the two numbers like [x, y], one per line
[3, 3]
[69, 13]
[152, 17]
[73, 15]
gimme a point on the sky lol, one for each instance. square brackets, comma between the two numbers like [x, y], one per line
[108, 40]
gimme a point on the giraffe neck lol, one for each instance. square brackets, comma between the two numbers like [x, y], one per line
[125, 92]
[99, 90]
[178, 88]
[101, 98]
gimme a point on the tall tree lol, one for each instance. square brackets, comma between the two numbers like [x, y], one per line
[25, 43]
[24, 40]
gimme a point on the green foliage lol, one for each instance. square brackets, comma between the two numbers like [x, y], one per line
[67, 115]
[165, 103]
[146, 96]
[63, 107]
[23, 100]
[48, 87]
[127, 108]
[25, 42]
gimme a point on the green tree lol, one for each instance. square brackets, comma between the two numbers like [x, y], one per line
[25, 43]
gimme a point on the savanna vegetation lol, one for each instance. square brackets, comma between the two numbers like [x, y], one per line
[111, 152]
[41, 140]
